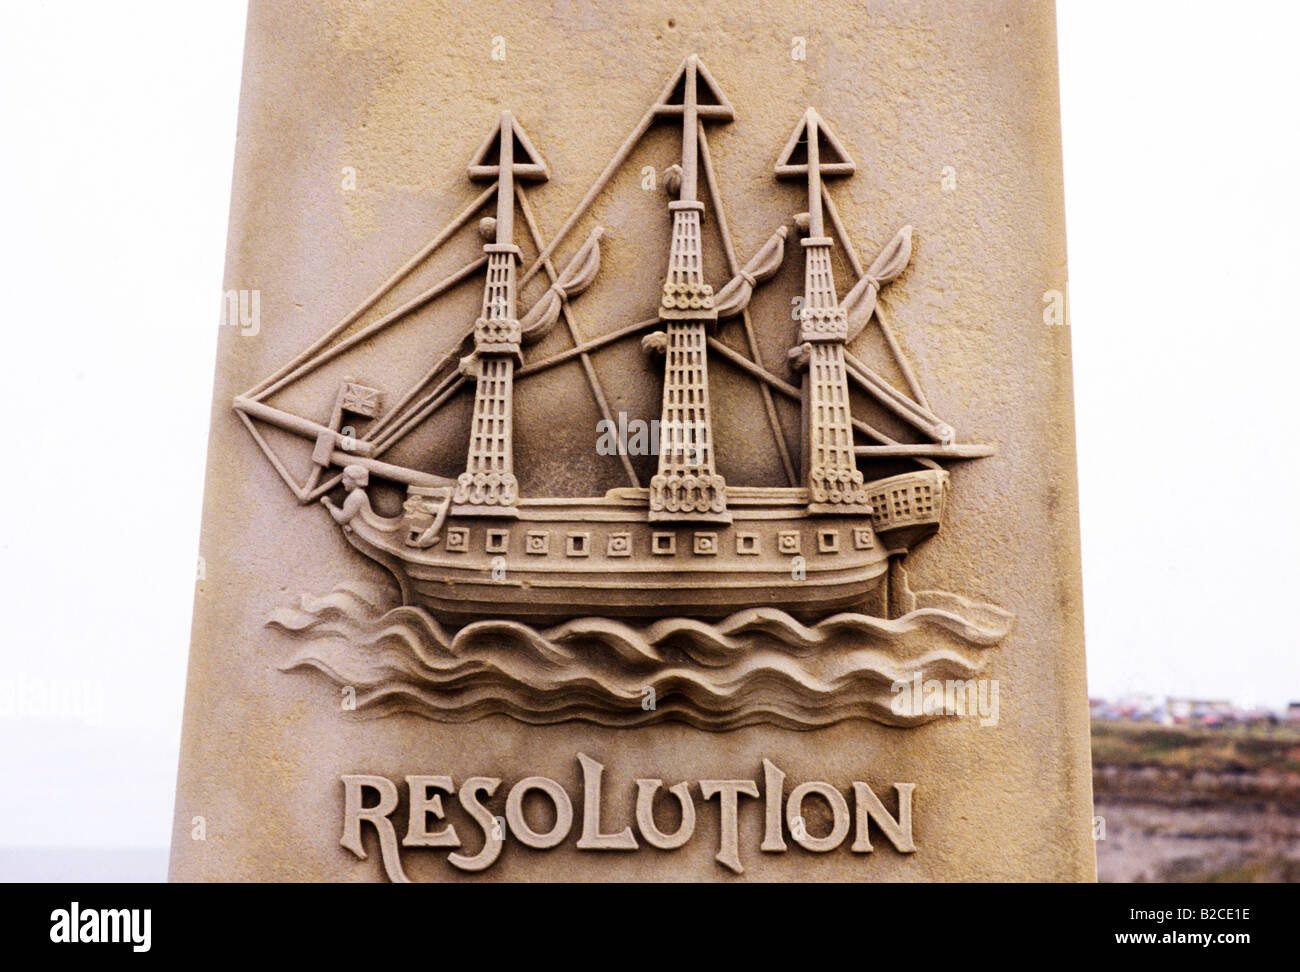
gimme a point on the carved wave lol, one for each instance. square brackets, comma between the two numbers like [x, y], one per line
[758, 666]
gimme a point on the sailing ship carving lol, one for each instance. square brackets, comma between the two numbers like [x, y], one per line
[689, 544]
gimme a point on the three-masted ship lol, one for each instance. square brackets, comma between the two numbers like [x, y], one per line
[688, 543]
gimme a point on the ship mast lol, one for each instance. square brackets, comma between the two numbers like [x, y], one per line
[687, 486]
[830, 468]
[488, 485]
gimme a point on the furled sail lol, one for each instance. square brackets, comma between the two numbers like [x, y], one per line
[859, 302]
[576, 278]
[734, 297]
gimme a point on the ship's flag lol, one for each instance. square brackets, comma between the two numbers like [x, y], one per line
[360, 400]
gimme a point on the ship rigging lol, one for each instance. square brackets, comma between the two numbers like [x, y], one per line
[470, 545]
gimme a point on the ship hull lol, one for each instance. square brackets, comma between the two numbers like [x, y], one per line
[563, 558]
[526, 594]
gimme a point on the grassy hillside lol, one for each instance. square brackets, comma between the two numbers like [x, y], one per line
[1231, 749]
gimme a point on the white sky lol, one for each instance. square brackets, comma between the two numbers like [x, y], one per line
[1182, 170]
[116, 145]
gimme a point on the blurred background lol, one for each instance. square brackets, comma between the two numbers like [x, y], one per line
[1182, 176]
[1182, 166]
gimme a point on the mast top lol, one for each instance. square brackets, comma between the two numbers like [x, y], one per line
[813, 152]
[507, 154]
[507, 141]
[826, 150]
[692, 85]
[694, 95]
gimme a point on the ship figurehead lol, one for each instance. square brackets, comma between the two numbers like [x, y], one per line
[688, 543]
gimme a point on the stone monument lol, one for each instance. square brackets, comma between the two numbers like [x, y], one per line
[641, 450]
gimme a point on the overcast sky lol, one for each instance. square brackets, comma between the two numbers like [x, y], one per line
[1182, 173]
[118, 121]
